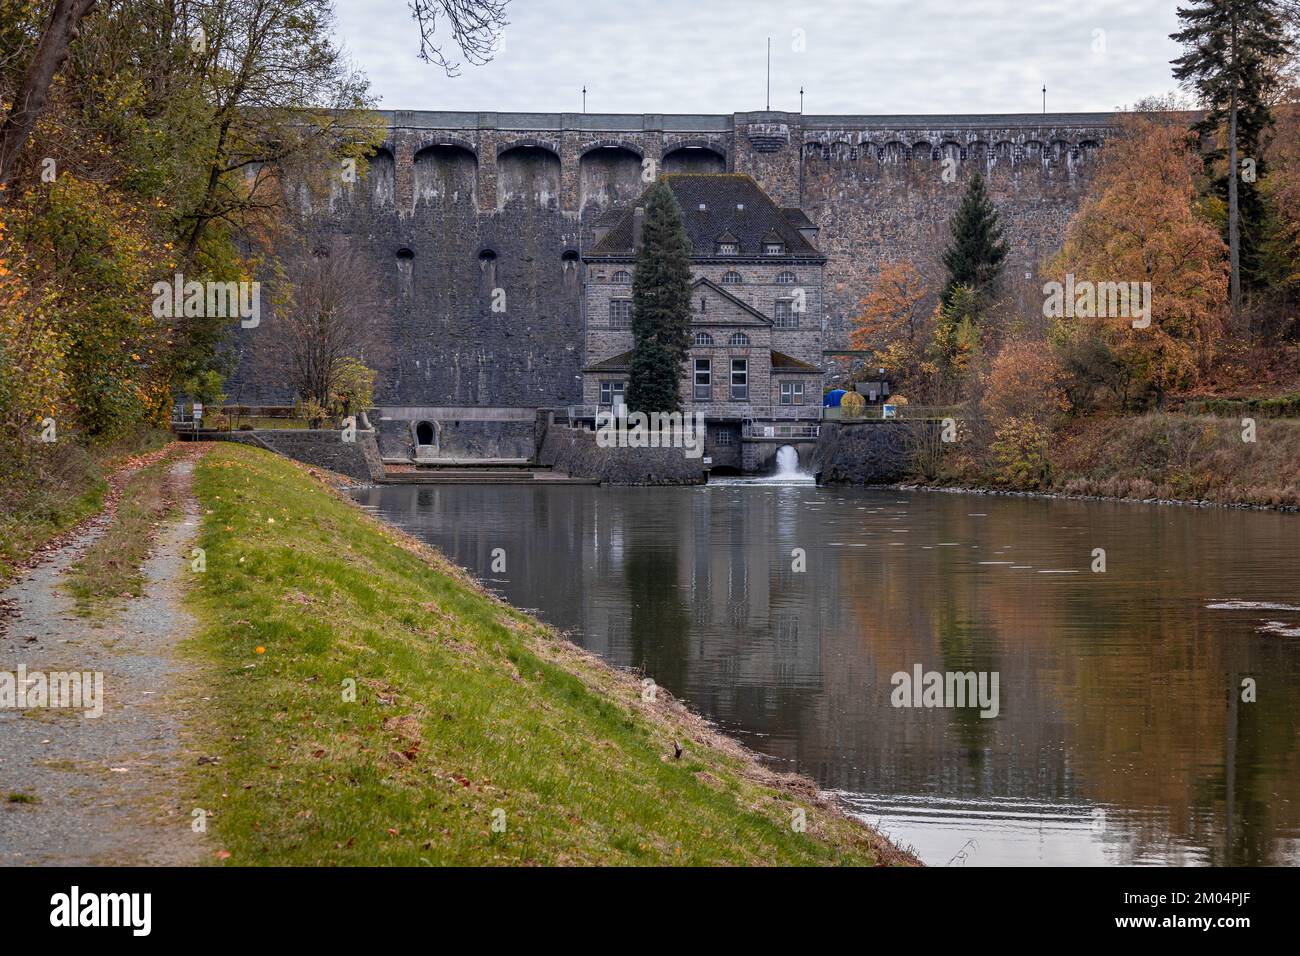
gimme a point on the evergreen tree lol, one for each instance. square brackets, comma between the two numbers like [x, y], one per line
[1232, 52]
[661, 306]
[974, 256]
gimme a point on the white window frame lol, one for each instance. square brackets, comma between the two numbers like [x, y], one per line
[739, 380]
[702, 380]
[614, 388]
[620, 324]
[786, 320]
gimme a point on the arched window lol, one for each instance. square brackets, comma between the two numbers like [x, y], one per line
[404, 254]
[621, 277]
[786, 278]
[703, 338]
[738, 338]
[731, 278]
[487, 264]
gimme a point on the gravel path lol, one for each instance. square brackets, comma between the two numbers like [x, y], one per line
[107, 790]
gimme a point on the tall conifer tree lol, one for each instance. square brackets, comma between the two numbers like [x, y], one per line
[661, 306]
[1232, 51]
[975, 253]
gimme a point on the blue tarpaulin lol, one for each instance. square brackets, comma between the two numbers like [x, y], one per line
[832, 398]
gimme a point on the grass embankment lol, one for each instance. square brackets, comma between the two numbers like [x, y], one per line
[463, 707]
[64, 484]
[1181, 456]
[111, 567]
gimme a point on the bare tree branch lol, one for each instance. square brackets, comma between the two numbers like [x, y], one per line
[473, 25]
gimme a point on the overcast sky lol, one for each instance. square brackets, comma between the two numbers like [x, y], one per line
[851, 56]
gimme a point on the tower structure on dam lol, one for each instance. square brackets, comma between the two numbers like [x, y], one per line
[480, 224]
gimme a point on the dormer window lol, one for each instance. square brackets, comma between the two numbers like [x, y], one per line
[621, 277]
[728, 248]
[731, 278]
[774, 248]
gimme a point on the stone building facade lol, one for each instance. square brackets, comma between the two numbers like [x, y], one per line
[483, 226]
[757, 322]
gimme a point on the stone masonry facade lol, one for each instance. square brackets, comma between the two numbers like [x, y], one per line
[482, 224]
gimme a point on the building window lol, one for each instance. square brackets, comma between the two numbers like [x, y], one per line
[703, 380]
[723, 436]
[621, 277]
[792, 393]
[740, 380]
[786, 317]
[774, 248]
[786, 278]
[703, 338]
[738, 338]
[728, 248]
[611, 393]
[620, 313]
[731, 278]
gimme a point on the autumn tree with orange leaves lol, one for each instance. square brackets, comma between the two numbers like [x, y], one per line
[1140, 225]
[895, 323]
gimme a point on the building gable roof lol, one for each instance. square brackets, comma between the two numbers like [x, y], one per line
[739, 311]
[715, 205]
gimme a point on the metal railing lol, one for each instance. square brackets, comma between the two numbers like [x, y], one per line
[868, 413]
[779, 430]
[787, 413]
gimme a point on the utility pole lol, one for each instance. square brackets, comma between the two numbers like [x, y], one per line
[769, 74]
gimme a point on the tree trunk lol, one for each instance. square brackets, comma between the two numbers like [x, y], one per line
[51, 51]
[1234, 225]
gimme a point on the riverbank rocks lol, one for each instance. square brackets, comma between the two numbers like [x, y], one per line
[1066, 496]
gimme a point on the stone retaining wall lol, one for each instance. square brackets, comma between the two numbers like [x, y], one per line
[868, 453]
[574, 452]
[323, 448]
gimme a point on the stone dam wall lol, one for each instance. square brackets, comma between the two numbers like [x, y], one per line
[456, 206]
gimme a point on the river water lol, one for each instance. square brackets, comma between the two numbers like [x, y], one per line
[783, 611]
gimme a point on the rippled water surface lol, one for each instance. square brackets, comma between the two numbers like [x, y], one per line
[1121, 735]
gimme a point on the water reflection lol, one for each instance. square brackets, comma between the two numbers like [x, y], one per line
[1121, 736]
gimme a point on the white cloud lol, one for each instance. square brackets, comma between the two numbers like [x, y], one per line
[708, 56]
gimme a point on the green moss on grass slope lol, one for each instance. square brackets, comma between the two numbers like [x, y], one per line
[463, 707]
